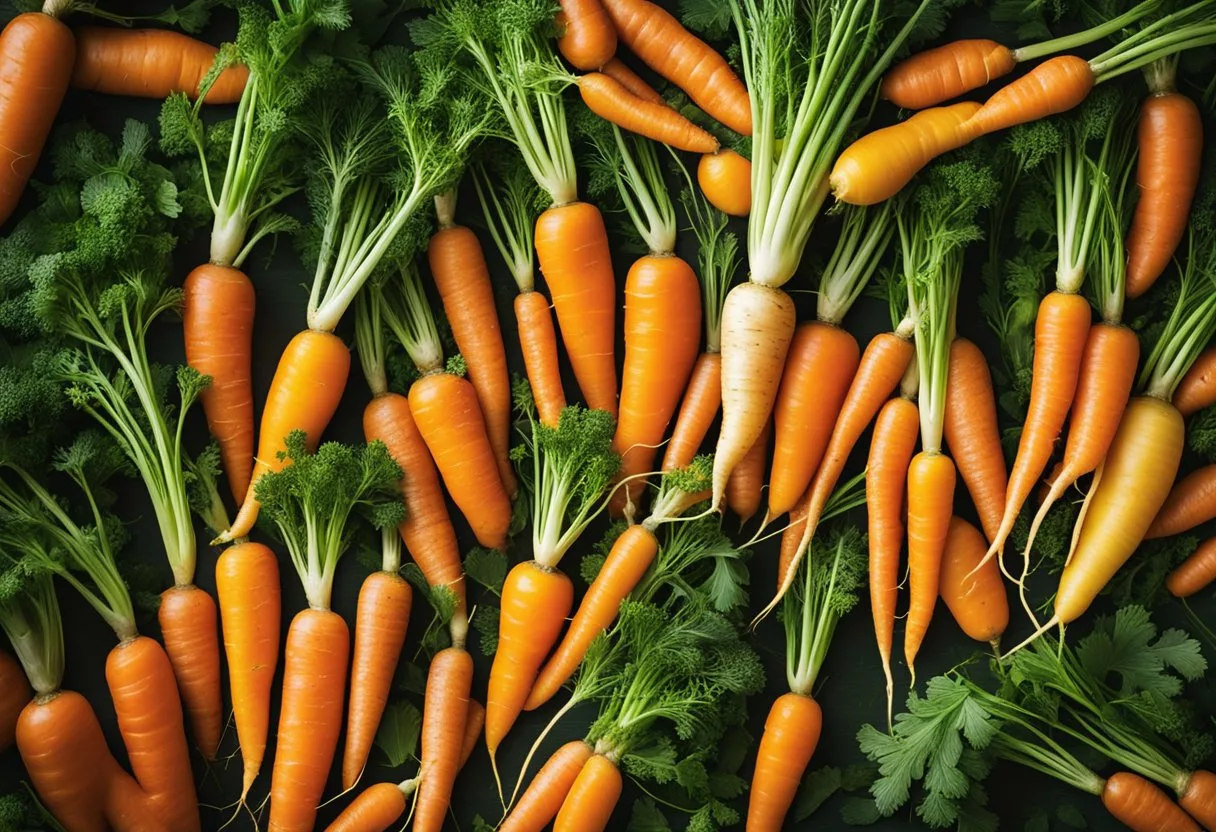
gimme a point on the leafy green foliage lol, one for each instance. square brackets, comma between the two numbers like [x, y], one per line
[1201, 434]
[1054, 537]
[20, 811]
[1127, 646]
[487, 567]
[1142, 579]
[593, 561]
[485, 624]
[398, 734]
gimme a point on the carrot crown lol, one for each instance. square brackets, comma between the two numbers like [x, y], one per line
[717, 257]
[628, 170]
[404, 307]
[510, 200]
[865, 234]
[202, 478]
[29, 610]
[310, 503]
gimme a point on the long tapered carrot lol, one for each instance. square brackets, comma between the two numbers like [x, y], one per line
[1192, 502]
[538, 340]
[819, 369]
[64, 754]
[15, 694]
[150, 63]
[314, 678]
[746, 481]
[656, 37]
[972, 432]
[944, 72]
[1142, 806]
[443, 719]
[150, 719]
[543, 798]
[791, 733]
[1054, 86]
[977, 600]
[382, 617]
[587, 38]
[702, 400]
[1197, 389]
[304, 394]
[247, 584]
[631, 555]
[217, 320]
[931, 479]
[572, 247]
[189, 626]
[1195, 573]
[592, 798]
[463, 279]
[618, 70]
[609, 99]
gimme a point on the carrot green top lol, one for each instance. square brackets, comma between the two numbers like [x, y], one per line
[864, 236]
[29, 609]
[626, 170]
[1159, 36]
[717, 259]
[510, 200]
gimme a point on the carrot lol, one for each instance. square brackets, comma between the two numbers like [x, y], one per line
[725, 178]
[538, 339]
[15, 694]
[382, 617]
[376, 809]
[247, 584]
[1142, 806]
[36, 56]
[474, 722]
[972, 433]
[304, 394]
[217, 319]
[757, 327]
[702, 399]
[314, 675]
[445, 712]
[545, 795]
[618, 70]
[822, 361]
[612, 101]
[127, 807]
[1054, 86]
[1198, 798]
[747, 479]
[592, 798]
[930, 505]
[976, 600]
[944, 72]
[1170, 137]
[791, 733]
[188, 625]
[587, 38]
[1197, 389]
[1195, 573]
[151, 63]
[149, 715]
[1191, 502]
[876, 166]
[572, 246]
[463, 279]
[631, 555]
[656, 37]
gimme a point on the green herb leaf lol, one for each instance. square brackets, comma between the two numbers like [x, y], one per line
[488, 567]
[815, 790]
[398, 733]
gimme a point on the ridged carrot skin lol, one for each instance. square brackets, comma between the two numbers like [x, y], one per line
[15, 694]
[931, 480]
[538, 342]
[791, 733]
[725, 178]
[977, 600]
[630, 80]
[1054, 86]
[1192, 502]
[746, 481]
[150, 63]
[64, 754]
[1143, 807]
[944, 72]
[1199, 798]
[189, 626]
[612, 101]
[543, 798]
[702, 401]
[376, 809]
[1194, 574]
[572, 248]
[592, 798]
[587, 38]
[972, 432]
[442, 739]
[1197, 389]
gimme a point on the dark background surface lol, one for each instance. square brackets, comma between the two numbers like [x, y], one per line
[850, 686]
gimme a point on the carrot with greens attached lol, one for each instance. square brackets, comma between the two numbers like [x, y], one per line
[586, 37]
[746, 481]
[976, 600]
[614, 102]
[1195, 573]
[152, 63]
[725, 178]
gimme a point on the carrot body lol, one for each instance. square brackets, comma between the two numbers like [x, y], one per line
[619, 70]
[936, 75]
[702, 400]
[587, 38]
[1199, 798]
[656, 37]
[127, 806]
[631, 555]
[247, 583]
[150, 63]
[1135, 480]
[66, 758]
[1191, 502]
[381, 620]
[15, 694]
[972, 432]
[662, 334]
[217, 318]
[725, 178]
[1170, 136]
[879, 164]
[612, 101]
[1060, 334]
[930, 506]
[976, 600]
[538, 341]
[822, 361]
[463, 279]
[757, 327]
[36, 56]
[449, 419]
[1197, 389]
[543, 798]
[1054, 86]
[150, 719]
[314, 677]
[791, 733]
[572, 247]
[427, 530]
[746, 481]
[376, 809]
[474, 722]
[535, 603]
[444, 713]
[1195, 573]
[1143, 807]
[891, 449]
[304, 394]
[190, 629]
[592, 798]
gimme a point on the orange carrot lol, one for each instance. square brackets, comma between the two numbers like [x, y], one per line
[746, 481]
[791, 733]
[36, 56]
[190, 629]
[217, 320]
[1195, 573]
[702, 399]
[247, 584]
[544, 796]
[656, 37]
[944, 72]
[444, 714]
[931, 478]
[630, 80]
[612, 101]
[1198, 798]
[376, 809]
[538, 339]
[1197, 389]
[1142, 806]
[1054, 86]
[474, 721]
[976, 600]
[725, 178]
[15, 694]
[592, 798]
[150, 63]
[587, 37]
[972, 433]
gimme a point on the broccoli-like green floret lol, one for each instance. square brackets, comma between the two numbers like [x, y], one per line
[1201, 434]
